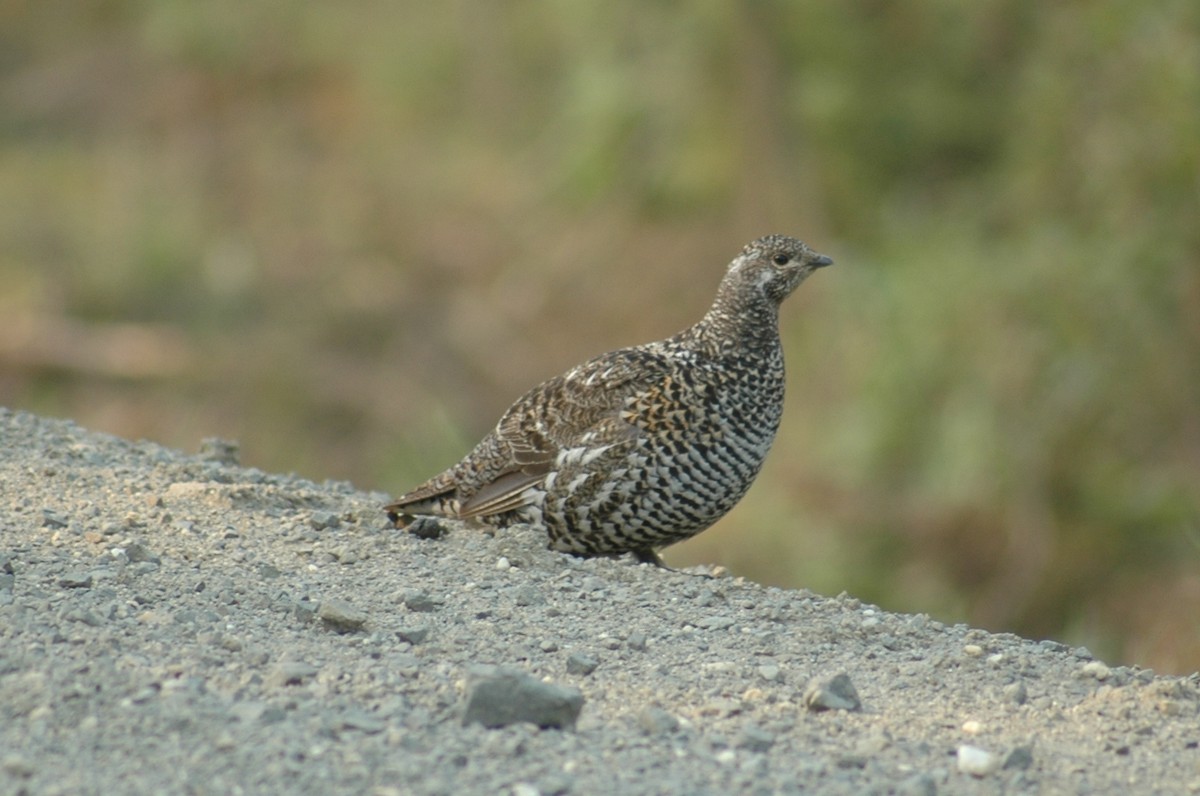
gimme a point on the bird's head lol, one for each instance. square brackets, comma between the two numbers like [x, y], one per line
[773, 266]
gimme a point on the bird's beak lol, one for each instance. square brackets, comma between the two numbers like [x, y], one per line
[820, 261]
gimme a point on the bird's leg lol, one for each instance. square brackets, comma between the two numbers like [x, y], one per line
[647, 556]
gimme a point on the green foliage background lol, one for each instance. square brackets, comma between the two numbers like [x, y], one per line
[350, 234]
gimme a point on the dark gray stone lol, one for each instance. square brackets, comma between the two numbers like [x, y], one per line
[578, 663]
[500, 697]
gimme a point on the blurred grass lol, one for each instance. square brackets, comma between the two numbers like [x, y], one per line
[348, 235]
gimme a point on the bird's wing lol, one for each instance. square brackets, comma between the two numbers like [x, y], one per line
[579, 408]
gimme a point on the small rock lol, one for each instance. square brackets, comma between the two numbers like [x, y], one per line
[755, 738]
[229, 643]
[500, 697]
[356, 719]
[427, 528]
[346, 555]
[413, 635]
[341, 615]
[715, 623]
[303, 610]
[977, 762]
[290, 673]
[18, 767]
[1016, 693]
[137, 552]
[528, 595]
[656, 721]
[52, 518]
[420, 601]
[76, 580]
[770, 672]
[636, 641]
[1020, 758]
[578, 663]
[221, 451]
[972, 650]
[324, 520]
[84, 616]
[917, 785]
[725, 757]
[247, 712]
[834, 693]
[1096, 669]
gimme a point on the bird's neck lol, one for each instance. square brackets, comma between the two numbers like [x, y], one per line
[739, 322]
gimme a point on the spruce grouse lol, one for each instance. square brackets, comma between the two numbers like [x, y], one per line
[642, 447]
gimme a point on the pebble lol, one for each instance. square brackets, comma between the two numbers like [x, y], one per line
[1096, 669]
[290, 673]
[770, 672]
[420, 601]
[18, 767]
[755, 739]
[833, 693]
[413, 635]
[977, 762]
[53, 518]
[356, 719]
[499, 697]
[656, 721]
[137, 553]
[1016, 693]
[917, 785]
[76, 580]
[1019, 759]
[427, 528]
[341, 615]
[324, 520]
[221, 451]
[579, 663]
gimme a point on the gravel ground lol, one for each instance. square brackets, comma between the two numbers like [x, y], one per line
[180, 624]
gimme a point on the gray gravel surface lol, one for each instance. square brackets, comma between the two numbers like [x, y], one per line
[181, 624]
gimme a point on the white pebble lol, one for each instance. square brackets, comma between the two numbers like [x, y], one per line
[977, 762]
[972, 727]
[1096, 669]
[972, 650]
[503, 564]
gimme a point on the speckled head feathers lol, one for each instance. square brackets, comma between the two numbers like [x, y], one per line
[775, 265]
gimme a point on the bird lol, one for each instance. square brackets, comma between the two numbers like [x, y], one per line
[642, 447]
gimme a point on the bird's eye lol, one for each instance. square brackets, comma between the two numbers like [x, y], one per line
[781, 259]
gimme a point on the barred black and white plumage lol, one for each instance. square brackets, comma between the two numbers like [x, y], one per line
[645, 446]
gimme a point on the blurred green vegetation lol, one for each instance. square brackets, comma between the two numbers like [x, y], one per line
[350, 234]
